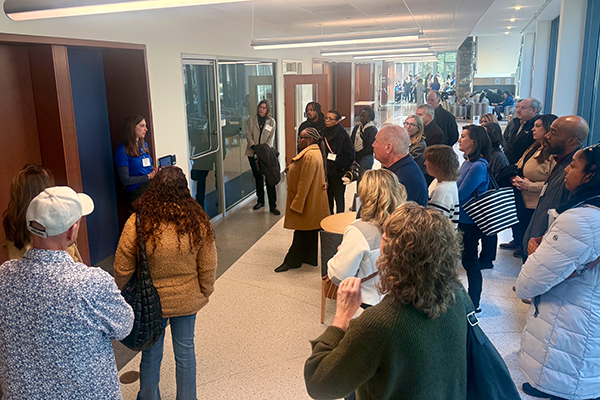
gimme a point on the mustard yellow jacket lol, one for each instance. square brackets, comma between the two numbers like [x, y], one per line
[184, 279]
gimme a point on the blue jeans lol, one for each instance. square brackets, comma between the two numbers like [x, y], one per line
[182, 331]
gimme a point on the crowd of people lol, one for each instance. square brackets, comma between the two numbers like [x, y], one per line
[400, 318]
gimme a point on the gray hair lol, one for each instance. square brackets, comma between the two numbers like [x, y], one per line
[397, 136]
[536, 105]
[313, 133]
[428, 109]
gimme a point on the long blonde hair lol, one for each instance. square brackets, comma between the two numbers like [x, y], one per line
[380, 193]
[420, 126]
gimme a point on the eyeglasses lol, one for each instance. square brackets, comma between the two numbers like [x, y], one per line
[410, 124]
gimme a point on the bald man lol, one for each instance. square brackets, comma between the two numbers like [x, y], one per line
[391, 150]
[566, 136]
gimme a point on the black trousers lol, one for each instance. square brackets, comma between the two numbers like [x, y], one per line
[304, 249]
[260, 184]
[489, 247]
[136, 194]
[470, 260]
[335, 191]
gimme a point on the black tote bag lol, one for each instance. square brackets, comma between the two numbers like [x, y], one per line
[142, 296]
[487, 374]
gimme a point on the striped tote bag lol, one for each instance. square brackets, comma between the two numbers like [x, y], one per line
[494, 210]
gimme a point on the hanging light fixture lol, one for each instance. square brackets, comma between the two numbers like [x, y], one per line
[394, 35]
[373, 50]
[376, 56]
[17, 14]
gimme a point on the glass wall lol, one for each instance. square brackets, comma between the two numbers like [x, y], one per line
[220, 170]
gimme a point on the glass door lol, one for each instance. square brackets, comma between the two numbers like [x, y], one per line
[299, 91]
[242, 84]
[203, 134]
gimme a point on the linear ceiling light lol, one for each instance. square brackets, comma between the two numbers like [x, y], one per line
[395, 35]
[428, 54]
[137, 5]
[383, 51]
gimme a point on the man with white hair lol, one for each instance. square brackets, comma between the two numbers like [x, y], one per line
[433, 133]
[59, 316]
[391, 150]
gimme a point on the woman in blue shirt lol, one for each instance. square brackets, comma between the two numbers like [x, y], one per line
[133, 160]
[475, 144]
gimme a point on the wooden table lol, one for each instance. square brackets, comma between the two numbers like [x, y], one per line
[337, 223]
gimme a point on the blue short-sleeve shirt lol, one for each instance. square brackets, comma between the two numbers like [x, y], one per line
[135, 164]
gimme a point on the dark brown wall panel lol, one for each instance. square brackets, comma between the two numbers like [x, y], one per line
[344, 92]
[56, 121]
[364, 90]
[127, 91]
[18, 127]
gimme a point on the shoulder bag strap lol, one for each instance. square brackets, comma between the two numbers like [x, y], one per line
[366, 278]
[142, 257]
[492, 179]
[327, 143]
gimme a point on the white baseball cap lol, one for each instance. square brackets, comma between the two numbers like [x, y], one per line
[57, 209]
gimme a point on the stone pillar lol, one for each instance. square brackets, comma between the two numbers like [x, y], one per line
[540, 59]
[568, 57]
[465, 67]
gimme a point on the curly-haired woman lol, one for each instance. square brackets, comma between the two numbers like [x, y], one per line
[183, 259]
[380, 194]
[402, 347]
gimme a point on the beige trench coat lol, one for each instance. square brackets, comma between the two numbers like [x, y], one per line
[307, 201]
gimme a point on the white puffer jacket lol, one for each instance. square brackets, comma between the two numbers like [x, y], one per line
[560, 348]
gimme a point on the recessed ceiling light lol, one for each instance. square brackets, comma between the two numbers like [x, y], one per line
[509, 27]
[506, 33]
[517, 8]
[512, 20]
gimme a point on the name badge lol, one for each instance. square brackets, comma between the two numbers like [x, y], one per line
[543, 189]
[268, 128]
[331, 156]
[145, 162]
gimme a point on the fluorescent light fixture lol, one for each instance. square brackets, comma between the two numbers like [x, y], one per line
[517, 8]
[394, 35]
[107, 8]
[428, 54]
[382, 51]
[513, 19]
[509, 27]
[506, 33]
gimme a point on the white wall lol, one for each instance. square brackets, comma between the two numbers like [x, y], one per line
[497, 55]
[568, 58]
[167, 35]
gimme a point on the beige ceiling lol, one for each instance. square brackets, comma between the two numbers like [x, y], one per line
[444, 23]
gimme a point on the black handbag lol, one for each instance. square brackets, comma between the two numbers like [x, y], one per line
[487, 374]
[494, 210]
[142, 296]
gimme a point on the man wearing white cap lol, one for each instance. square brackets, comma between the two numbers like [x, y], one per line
[58, 316]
